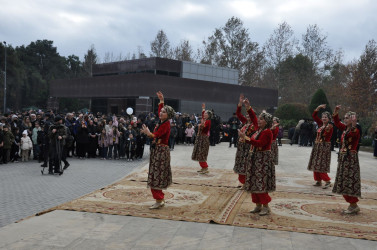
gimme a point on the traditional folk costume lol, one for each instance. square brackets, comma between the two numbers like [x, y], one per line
[242, 147]
[320, 157]
[201, 147]
[274, 145]
[159, 175]
[260, 169]
[347, 180]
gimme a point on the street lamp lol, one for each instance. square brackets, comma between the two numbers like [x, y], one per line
[5, 76]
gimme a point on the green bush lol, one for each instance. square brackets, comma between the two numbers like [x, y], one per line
[319, 98]
[366, 141]
[287, 124]
[291, 113]
[366, 123]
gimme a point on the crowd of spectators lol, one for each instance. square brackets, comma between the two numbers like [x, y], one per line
[107, 137]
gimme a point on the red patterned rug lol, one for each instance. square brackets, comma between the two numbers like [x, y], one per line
[297, 206]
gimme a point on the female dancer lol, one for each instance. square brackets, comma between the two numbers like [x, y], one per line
[347, 181]
[159, 174]
[201, 146]
[260, 169]
[320, 157]
[242, 147]
[274, 144]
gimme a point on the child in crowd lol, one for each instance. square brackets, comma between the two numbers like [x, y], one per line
[103, 144]
[189, 134]
[130, 147]
[26, 146]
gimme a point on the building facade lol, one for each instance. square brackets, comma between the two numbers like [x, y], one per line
[185, 85]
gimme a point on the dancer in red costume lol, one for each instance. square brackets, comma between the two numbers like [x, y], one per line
[260, 169]
[274, 144]
[320, 157]
[159, 174]
[201, 147]
[242, 147]
[347, 181]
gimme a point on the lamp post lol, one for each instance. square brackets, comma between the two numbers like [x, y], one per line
[5, 76]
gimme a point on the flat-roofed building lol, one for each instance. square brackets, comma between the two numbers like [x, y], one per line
[185, 85]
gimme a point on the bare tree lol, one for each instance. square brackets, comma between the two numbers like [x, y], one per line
[278, 48]
[183, 51]
[89, 60]
[280, 45]
[362, 91]
[160, 47]
[314, 46]
[230, 46]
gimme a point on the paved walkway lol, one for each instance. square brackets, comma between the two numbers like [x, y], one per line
[24, 191]
[77, 230]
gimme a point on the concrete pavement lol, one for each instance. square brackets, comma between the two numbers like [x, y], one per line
[77, 230]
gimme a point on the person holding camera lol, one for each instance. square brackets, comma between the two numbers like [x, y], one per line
[82, 140]
[57, 135]
[113, 142]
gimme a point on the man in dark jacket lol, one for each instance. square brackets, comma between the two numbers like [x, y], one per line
[57, 135]
[234, 124]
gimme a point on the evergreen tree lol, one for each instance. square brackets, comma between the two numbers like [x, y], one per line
[319, 98]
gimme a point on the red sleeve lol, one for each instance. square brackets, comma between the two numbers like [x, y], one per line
[264, 139]
[203, 113]
[338, 123]
[239, 115]
[253, 118]
[316, 118]
[160, 106]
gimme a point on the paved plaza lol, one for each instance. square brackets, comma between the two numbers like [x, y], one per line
[24, 192]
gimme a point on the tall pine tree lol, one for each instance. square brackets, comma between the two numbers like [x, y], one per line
[319, 98]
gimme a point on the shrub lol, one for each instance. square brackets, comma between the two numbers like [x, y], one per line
[291, 113]
[319, 98]
[366, 141]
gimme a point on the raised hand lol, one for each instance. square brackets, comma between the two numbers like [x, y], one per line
[145, 130]
[247, 103]
[241, 134]
[337, 108]
[354, 120]
[203, 105]
[242, 98]
[160, 96]
[322, 106]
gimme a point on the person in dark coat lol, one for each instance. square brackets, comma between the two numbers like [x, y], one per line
[130, 147]
[234, 124]
[173, 135]
[93, 140]
[82, 140]
[57, 135]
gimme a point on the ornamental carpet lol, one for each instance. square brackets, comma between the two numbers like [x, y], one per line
[296, 206]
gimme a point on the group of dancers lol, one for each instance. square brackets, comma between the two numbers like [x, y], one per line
[257, 154]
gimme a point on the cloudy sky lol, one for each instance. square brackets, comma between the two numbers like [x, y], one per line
[121, 26]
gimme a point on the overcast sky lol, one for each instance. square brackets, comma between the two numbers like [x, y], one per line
[120, 26]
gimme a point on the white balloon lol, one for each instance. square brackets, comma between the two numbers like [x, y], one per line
[129, 111]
